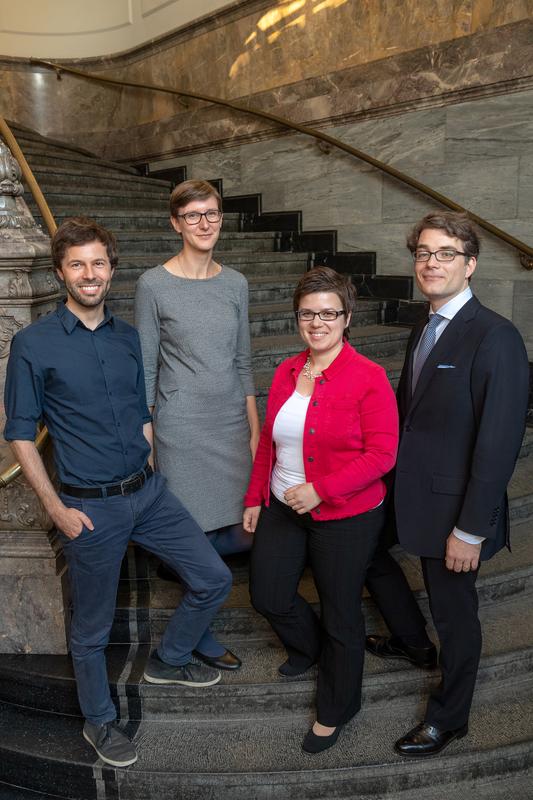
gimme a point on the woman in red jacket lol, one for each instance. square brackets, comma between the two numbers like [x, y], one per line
[316, 494]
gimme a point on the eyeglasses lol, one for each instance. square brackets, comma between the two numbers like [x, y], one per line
[447, 254]
[194, 217]
[328, 315]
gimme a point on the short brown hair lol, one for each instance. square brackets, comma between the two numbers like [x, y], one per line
[325, 279]
[456, 224]
[184, 193]
[76, 231]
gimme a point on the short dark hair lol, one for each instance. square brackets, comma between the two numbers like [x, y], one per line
[325, 279]
[456, 224]
[76, 231]
[184, 193]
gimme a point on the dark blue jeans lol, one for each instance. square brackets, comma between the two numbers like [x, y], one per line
[154, 518]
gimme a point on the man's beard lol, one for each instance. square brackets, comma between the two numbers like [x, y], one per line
[89, 301]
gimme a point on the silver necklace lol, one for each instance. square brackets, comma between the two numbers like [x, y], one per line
[308, 372]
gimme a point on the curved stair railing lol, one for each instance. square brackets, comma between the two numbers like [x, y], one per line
[14, 470]
[525, 252]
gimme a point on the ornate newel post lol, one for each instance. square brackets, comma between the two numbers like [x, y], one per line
[32, 616]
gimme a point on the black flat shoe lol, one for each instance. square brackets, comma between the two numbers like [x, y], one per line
[393, 647]
[427, 740]
[287, 670]
[227, 660]
[317, 744]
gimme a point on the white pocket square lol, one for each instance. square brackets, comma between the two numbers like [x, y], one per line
[445, 366]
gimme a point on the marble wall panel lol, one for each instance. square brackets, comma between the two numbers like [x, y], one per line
[495, 127]
[522, 316]
[525, 188]
[495, 294]
[489, 193]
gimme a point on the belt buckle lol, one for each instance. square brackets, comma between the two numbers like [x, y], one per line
[132, 484]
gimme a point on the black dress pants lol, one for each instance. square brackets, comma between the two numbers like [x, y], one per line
[454, 608]
[338, 552]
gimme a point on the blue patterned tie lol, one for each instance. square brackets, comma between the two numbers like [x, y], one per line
[427, 343]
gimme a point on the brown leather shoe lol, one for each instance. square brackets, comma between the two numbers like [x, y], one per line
[393, 647]
[427, 740]
[227, 660]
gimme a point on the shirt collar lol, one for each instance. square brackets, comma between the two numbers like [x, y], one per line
[70, 320]
[453, 306]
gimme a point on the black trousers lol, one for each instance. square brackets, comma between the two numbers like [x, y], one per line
[339, 552]
[454, 608]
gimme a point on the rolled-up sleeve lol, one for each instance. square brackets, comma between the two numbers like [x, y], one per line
[23, 393]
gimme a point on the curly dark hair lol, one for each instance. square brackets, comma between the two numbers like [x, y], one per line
[455, 224]
[76, 231]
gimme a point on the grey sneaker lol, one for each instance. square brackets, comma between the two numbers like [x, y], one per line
[192, 674]
[110, 743]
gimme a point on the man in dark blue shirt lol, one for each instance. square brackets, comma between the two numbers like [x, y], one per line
[79, 370]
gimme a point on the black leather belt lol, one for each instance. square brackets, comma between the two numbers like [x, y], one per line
[128, 486]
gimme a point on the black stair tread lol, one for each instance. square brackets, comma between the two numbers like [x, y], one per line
[266, 308]
[244, 747]
[89, 168]
[521, 484]
[373, 332]
[274, 280]
[506, 571]
[392, 366]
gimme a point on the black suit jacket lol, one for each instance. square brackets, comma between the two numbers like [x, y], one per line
[461, 432]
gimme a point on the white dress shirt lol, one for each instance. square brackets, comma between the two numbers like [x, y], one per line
[448, 312]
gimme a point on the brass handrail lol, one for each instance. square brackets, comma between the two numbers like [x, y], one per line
[30, 178]
[14, 470]
[525, 252]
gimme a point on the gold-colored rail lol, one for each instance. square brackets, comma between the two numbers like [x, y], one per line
[14, 470]
[525, 252]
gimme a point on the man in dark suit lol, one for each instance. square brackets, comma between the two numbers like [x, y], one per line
[462, 399]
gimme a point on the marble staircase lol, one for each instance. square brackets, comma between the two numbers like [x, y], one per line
[241, 739]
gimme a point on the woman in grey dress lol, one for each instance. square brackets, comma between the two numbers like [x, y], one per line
[192, 317]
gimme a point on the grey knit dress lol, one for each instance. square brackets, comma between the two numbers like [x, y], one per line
[195, 341]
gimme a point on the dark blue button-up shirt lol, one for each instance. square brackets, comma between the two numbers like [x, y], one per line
[88, 388]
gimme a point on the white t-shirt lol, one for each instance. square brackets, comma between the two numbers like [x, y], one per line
[288, 434]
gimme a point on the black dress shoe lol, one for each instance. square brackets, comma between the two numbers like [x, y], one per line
[393, 647]
[287, 670]
[317, 744]
[227, 660]
[427, 740]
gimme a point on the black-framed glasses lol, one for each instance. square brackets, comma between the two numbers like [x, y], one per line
[328, 315]
[444, 254]
[194, 217]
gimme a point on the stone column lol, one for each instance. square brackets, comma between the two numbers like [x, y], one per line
[32, 616]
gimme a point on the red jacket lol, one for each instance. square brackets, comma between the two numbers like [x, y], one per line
[350, 436]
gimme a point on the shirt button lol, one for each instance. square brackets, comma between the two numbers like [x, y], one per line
[311, 430]
[118, 424]
[322, 381]
[317, 511]
[310, 458]
[407, 428]
[102, 362]
[315, 402]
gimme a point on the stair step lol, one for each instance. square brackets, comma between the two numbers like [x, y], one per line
[262, 757]
[373, 341]
[47, 682]
[88, 174]
[145, 603]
